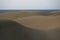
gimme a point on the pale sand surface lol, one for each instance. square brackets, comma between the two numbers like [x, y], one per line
[14, 15]
[40, 22]
[20, 14]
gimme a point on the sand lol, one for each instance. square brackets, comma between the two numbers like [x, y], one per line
[20, 14]
[39, 19]
[40, 22]
[14, 15]
[30, 26]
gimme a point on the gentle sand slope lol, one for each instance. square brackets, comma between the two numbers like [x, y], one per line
[40, 22]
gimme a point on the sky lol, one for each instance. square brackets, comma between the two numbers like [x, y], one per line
[29, 4]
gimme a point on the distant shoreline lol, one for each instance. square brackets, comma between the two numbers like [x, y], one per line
[1, 11]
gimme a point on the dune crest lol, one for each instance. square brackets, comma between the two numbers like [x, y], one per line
[40, 22]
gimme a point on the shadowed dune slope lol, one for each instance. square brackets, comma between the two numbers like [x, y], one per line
[11, 30]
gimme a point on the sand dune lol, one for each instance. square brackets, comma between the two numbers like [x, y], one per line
[15, 15]
[29, 26]
[11, 30]
[42, 19]
[40, 22]
[47, 26]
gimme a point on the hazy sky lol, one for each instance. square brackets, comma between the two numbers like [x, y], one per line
[30, 4]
